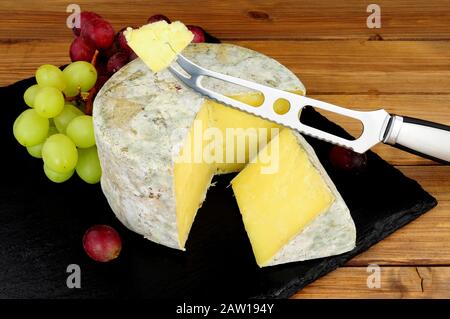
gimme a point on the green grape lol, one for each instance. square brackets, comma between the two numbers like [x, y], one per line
[59, 153]
[30, 128]
[63, 119]
[48, 75]
[79, 76]
[49, 102]
[36, 150]
[57, 177]
[30, 94]
[88, 167]
[81, 131]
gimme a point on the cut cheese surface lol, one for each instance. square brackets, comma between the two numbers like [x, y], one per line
[193, 174]
[192, 178]
[249, 133]
[275, 207]
[242, 130]
[158, 43]
[155, 184]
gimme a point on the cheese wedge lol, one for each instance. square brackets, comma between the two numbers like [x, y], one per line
[278, 207]
[144, 124]
[158, 43]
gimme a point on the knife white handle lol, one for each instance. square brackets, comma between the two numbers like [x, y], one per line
[423, 138]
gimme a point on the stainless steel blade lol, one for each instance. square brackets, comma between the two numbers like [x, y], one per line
[374, 122]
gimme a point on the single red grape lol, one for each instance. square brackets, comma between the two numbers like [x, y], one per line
[132, 56]
[347, 160]
[158, 17]
[98, 33]
[100, 81]
[81, 51]
[102, 243]
[116, 62]
[85, 18]
[121, 42]
[199, 33]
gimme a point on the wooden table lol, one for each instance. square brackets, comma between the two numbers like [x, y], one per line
[404, 67]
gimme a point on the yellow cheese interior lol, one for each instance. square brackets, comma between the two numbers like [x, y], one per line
[158, 43]
[246, 127]
[193, 177]
[276, 207]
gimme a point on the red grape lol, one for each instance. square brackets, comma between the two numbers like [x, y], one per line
[116, 62]
[100, 65]
[100, 81]
[132, 56]
[102, 243]
[122, 42]
[81, 51]
[85, 17]
[98, 33]
[347, 160]
[109, 52]
[199, 33]
[158, 17]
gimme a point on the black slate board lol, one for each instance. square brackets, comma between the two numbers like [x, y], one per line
[42, 223]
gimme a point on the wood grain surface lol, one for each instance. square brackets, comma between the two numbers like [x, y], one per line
[396, 282]
[404, 67]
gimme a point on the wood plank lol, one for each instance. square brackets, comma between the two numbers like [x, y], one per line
[243, 19]
[396, 282]
[434, 179]
[364, 67]
[19, 60]
[326, 67]
[425, 241]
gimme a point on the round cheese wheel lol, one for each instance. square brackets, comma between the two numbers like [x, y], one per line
[141, 122]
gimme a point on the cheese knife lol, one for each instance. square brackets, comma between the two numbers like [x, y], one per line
[420, 137]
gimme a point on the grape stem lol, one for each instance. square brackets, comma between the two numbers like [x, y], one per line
[90, 101]
[94, 58]
[71, 98]
[92, 92]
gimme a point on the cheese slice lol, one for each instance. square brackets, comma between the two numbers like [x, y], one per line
[158, 43]
[278, 206]
[143, 125]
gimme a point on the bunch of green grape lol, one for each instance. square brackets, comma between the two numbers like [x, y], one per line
[56, 130]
